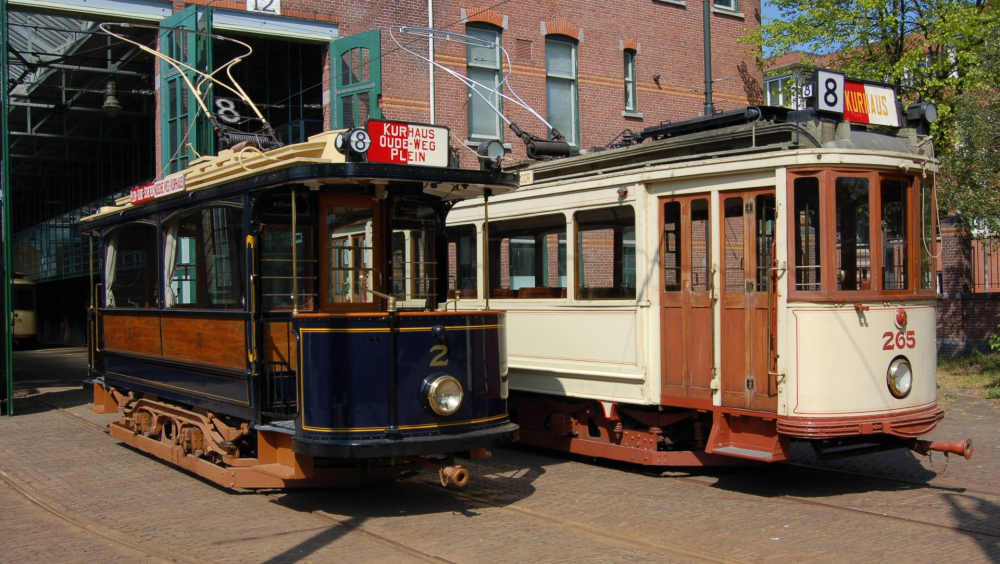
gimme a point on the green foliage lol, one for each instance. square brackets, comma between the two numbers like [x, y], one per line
[931, 47]
[993, 393]
[971, 180]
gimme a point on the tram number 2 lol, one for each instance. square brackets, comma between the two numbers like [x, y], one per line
[899, 340]
[442, 355]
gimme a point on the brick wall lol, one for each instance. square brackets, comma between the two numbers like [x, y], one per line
[667, 37]
[966, 320]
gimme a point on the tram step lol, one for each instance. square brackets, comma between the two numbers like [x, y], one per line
[745, 453]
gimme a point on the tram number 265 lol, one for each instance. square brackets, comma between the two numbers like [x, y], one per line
[899, 340]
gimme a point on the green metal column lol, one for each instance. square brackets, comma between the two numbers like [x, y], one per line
[7, 398]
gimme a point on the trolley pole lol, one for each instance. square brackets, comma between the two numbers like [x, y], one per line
[7, 399]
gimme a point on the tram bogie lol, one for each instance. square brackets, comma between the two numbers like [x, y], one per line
[738, 283]
[272, 320]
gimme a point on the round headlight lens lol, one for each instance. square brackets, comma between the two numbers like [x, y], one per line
[900, 377]
[444, 394]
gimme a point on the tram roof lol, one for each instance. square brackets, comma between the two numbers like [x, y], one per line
[314, 163]
[744, 131]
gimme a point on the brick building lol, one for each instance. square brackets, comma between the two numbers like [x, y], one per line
[591, 72]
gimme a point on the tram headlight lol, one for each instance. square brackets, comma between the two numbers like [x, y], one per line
[900, 377]
[443, 394]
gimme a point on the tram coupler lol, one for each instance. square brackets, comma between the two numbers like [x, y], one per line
[455, 474]
[963, 448]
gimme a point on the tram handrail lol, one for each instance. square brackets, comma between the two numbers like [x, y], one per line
[390, 299]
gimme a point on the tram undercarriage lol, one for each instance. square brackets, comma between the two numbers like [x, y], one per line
[666, 436]
[243, 457]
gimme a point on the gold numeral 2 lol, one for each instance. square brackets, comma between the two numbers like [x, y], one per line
[440, 359]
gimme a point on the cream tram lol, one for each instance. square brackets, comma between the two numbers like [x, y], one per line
[25, 314]
[719, 286]
[271, 319]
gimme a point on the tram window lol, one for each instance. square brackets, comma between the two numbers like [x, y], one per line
[130, 267]
[701, 271]
[203, 259]
[895, 232]
[853, 250]
[672, 247]
[24, 299]
[462, 255]
[347, 254]
[765, 240]
[605, 257]
[806, 223]
[530, 258]
[276, 267]
[733, 246]
[414, 269]
[927, 236]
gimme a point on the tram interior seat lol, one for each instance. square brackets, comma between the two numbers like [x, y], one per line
[504, 293]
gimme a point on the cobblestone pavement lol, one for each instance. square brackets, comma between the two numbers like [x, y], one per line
[523, 505]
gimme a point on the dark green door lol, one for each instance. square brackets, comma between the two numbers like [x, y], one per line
[356, 79]
[185, 130]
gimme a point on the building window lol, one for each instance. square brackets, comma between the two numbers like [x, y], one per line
[781, 92]
[726, 5]
[560, 87]
[630, 103]
[483, 65]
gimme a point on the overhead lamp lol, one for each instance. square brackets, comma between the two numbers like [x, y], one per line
[111, 105]
[490, 153]
[923, 114]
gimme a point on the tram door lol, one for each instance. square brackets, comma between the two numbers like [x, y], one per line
[747, 233]
[686, 321]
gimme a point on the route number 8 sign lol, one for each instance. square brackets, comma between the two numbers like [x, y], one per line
[829, 91]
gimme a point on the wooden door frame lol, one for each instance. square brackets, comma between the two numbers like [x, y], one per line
[750, 304]
[686, 394]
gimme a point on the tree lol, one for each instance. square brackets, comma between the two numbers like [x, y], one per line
[931, 48]
[971, 180]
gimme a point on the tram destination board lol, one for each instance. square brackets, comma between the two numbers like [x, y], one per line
[408, 143]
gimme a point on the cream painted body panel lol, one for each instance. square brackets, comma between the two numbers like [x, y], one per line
[610, 349]
[838, 363]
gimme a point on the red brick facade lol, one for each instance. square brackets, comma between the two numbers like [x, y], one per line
[665, 35]
[966, 318]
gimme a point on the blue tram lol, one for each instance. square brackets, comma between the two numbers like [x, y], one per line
[284, 318]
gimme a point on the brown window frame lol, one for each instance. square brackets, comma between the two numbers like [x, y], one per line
[377, 245]
[828, 271]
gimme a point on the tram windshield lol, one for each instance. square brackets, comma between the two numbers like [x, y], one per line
[855, 234]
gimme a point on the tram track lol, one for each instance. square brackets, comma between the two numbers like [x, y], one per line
[552, 520]
[844, 508]
[329, 520]
[89, 525]
[632, 541]
[172, 556]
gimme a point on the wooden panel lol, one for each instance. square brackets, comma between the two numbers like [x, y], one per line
[279, 344]
[734, 357]
[765, 391]
[701, 351]
[210, 341]
[129, 333]
[673, 350]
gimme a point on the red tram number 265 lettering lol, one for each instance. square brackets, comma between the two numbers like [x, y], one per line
[899, 340]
